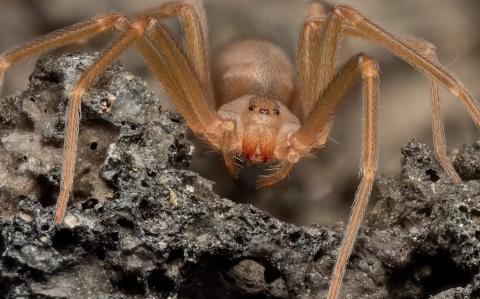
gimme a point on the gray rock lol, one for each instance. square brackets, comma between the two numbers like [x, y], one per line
[142, 225]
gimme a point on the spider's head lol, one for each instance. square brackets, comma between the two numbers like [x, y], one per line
[261, 125]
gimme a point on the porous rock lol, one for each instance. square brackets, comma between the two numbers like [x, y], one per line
[141, 224]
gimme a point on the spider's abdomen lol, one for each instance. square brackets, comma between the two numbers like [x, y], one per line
[253, 67]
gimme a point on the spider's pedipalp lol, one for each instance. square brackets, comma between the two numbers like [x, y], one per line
[272, 179]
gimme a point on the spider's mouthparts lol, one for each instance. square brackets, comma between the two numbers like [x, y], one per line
[257, 157]
[258, 147]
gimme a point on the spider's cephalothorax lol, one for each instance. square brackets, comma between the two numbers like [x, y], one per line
[254, 85]
[262, 127]
[255, 81]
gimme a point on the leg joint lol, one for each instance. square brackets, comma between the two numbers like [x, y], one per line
[78, 92]
[143, 23]
[349, 13]
[339, 9]
[113, 19]
[313, 24]
[369, 66]
[167, 10]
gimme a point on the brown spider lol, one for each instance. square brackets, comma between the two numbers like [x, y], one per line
[242, 105]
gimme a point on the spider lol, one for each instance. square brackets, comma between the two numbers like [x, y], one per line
[240, 102]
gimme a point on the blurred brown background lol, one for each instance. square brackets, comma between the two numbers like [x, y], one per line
[319, 190]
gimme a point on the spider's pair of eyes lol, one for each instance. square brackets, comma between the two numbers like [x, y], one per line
[264, 110]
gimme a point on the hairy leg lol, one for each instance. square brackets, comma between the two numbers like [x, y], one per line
[81, 31]
[184, 75]
[316, 54]
[317, 124]
[421, 48]
[439, 140]
[169, 65]
[133, 33]
[316, 58]
[320, 119]
[192, 15]
[428, 51]
[431, 69]
[369, 70]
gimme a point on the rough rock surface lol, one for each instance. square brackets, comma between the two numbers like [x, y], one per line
[142, 225]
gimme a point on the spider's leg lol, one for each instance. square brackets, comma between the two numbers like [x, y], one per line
[168, 64]
[316, 57]
[69, 35]
[129, 37]
[422, 48]
[369, 70]
[316, 54]
[439, 141]
[431, 69]
[171, 67]
[315, 131]
[276, 177]
[195, 47]
[427, 50]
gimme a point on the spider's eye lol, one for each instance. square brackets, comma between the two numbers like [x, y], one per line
[252, 107]
[264, 111]
[276, 111]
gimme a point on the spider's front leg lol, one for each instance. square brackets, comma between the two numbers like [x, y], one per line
[318, 47]
[59, 38]
[417, 52]
[316, 129]
[171, 68]
[182, 75]
[192, 15]
[69, 35]
[134, 32]
[326, 34]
